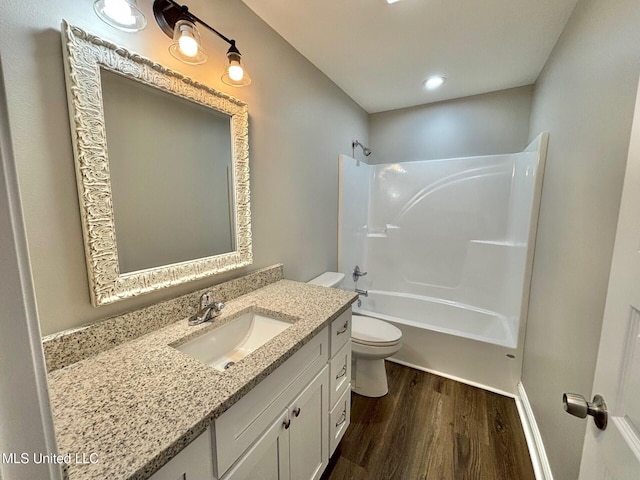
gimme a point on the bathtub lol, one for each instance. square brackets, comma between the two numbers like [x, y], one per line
[450, 339]
[440, 315]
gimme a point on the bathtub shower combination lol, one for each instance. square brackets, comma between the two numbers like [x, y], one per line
[448, 247]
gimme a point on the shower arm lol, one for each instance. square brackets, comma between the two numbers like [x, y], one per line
[365, 150]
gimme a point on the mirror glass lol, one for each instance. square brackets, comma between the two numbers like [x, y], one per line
[171, 176]
[162, 168]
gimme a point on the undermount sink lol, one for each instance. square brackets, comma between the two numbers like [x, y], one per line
[231, 342]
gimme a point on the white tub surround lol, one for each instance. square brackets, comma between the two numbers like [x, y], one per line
[139, 404]
[448, 247]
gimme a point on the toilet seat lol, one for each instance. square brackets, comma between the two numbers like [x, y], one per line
[373, 332]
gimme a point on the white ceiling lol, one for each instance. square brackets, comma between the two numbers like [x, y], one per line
[380, 54]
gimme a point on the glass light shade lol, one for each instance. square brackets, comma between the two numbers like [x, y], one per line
[121, 14]
[186, 44]
[235, 74]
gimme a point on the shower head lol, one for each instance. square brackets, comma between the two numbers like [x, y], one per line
[365, 150]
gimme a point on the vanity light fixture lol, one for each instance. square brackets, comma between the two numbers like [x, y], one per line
[177, 22]
[434, 82]
[121, 14]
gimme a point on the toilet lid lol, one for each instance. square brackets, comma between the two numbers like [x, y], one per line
[371, 331]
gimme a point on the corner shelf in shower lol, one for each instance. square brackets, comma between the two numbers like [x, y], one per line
[500, 243]
[379, 232]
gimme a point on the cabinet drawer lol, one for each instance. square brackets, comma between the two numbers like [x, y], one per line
[340, 332]
[339, 420]
[339, 373]
[237, 428]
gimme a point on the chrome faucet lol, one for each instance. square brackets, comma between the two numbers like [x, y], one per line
[209, 310]
[357, 273]
[364, 293]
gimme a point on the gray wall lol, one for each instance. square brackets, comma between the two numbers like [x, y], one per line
[584, 98]
[485, 124]
[299, 123]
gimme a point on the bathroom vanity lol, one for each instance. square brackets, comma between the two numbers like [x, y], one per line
[150, 410]
[287, 426]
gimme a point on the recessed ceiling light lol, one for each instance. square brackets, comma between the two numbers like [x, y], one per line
[434, 82]
[392, 1]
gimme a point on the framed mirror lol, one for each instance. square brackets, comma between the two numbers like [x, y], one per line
[162, 168]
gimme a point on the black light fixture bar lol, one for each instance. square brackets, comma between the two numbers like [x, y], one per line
[170, 16]
[168, 12]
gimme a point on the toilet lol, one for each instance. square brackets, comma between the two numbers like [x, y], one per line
[372, 341]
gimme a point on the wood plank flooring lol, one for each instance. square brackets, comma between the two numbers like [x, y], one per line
[432, 428]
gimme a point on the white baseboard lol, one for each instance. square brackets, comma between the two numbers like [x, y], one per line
[538, 455]
[452, 377]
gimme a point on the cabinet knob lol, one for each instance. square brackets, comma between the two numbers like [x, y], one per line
[296, 412]
[287, 424]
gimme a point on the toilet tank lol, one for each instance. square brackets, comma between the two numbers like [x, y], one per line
[328, 279]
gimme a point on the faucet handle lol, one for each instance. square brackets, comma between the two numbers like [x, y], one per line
[357, 273]
[206, 299]
[218, 306]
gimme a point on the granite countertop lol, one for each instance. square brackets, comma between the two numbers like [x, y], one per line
[137, 405]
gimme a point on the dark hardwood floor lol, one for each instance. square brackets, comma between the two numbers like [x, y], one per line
[432, 428]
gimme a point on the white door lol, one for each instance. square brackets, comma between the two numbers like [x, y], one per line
[614, 453]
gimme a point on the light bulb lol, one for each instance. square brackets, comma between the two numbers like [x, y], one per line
[236, 72]
[188, 44]
[120, 11]
[434, 82]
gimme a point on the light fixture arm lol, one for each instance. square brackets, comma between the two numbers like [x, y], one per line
[168, 12]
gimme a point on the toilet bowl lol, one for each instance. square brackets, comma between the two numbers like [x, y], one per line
[372, 341]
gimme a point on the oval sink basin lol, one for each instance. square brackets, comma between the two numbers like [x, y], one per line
[230, 343]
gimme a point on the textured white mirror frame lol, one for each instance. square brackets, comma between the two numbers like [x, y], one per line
[84, 56]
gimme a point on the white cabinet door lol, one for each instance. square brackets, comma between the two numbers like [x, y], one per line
[614, 453]
[194, 462]
[268, 458]
[308, 433]
[295, 446]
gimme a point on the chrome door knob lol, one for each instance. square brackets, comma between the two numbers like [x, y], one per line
[578, 406]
